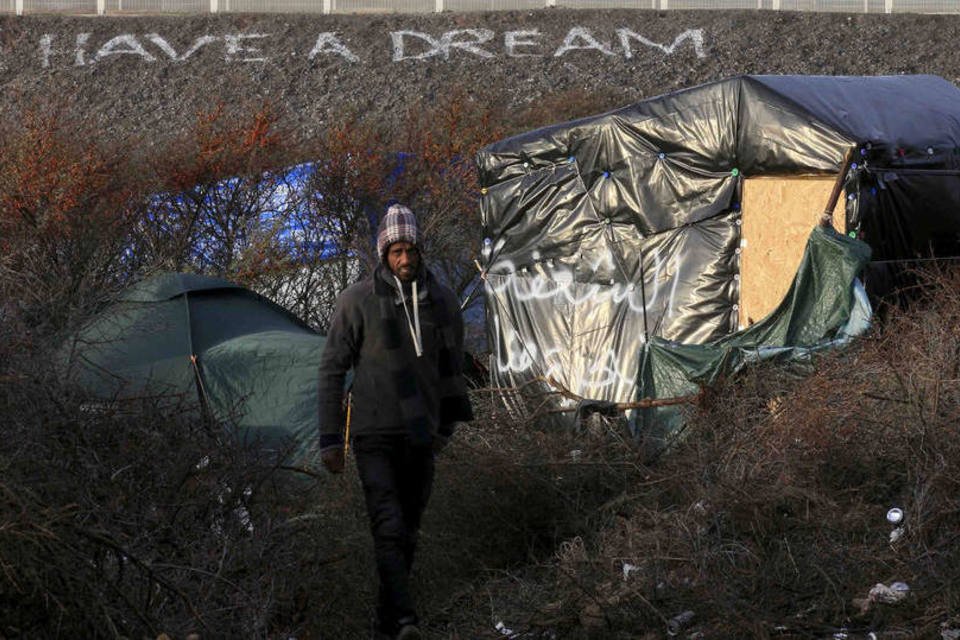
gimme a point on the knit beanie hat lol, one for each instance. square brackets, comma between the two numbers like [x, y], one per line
[397, 225]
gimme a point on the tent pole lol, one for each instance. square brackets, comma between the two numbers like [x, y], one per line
[193, 356]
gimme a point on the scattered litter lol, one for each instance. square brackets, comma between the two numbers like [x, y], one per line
[948, 633]
[895, 515]
[503, 629]
[628, 569]
[575, 454]
[883, 594]
[896, 534]
[676, 624]
[840, 635]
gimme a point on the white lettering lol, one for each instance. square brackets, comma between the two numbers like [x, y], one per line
[235, 48]
[47, 50]
[399, 45]
[449, 40]
[406, 44]
[579, 34]
[125, 44]
[164, 46]
[559, 285]
[694, 35]
[328, 42]
[605, 373]
[80, 49]
[514, 39]
[478, 37]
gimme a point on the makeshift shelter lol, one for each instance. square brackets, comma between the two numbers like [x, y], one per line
[210, 343]
[683, 219]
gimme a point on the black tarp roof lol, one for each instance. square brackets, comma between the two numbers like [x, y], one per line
[757, 124]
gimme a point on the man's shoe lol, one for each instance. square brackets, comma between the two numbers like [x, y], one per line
[409, 632]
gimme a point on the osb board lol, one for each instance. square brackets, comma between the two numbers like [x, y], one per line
[778, 215]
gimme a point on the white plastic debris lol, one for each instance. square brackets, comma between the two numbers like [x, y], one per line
[893, 594]
[901, 587]
[896, 534]
[503, 629]
[575, 454]
[628, 569]
[895, 515]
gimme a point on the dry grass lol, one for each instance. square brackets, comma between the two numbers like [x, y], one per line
[769, 519]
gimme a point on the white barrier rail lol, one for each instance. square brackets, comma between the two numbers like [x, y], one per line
[118, 7]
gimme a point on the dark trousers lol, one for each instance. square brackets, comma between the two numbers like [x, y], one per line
[397, 478]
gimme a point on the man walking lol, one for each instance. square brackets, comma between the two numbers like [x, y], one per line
[401, 332]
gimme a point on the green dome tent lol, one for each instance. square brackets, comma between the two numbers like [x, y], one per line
[211, 343]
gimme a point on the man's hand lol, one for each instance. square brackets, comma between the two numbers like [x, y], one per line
[332, 459]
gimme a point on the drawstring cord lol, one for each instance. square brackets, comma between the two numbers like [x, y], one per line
[415, 325]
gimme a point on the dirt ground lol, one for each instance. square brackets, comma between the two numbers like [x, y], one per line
[148, 76]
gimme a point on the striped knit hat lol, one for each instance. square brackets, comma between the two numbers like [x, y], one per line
[398, 224]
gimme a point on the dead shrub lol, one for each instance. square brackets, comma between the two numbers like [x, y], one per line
[65, 214]
[130, 520]
[769, 519]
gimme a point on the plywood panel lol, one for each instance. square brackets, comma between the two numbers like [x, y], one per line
[778, 215]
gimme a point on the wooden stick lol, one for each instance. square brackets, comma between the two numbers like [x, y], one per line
[826, 219]
[559, 389]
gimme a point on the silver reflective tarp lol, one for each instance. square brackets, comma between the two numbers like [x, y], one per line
[606, 232]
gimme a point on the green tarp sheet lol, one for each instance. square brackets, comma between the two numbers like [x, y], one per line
[824, 307]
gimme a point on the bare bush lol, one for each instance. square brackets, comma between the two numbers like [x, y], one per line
[220, 197]
[124, 520]
[65, 214]
[770, 518]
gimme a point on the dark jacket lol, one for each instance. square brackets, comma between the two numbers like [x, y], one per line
[393, 390]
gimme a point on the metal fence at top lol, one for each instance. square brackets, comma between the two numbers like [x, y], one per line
[132, 7]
